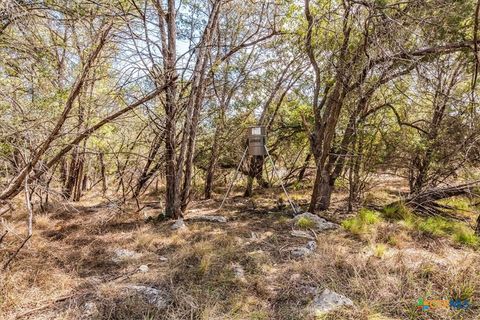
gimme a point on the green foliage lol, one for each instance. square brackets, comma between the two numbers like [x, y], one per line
[466, 236]
[305, 223]
[437, 226]
[458, 231]
[460, 203]
[397, 211]
[360, 224]
[379, 250]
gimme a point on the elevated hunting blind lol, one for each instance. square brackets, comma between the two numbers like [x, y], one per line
[256, 141]
[257, 146]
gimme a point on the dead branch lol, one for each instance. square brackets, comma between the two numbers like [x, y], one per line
[425, 202]
[5, 266]
[3, 236]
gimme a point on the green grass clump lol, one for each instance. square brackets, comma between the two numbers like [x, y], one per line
[397, 211]
[305, 223]
[369, 216]
[379, 250]
[360, 223]
[437, 226]
[458, 231]
[460, 203]
[466, 236]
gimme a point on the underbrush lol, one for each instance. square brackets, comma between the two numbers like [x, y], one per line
[366, 222]
[362, 223]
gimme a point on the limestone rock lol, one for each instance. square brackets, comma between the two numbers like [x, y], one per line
[320, 223]
[179, 225]
[156, 297]
[329, 300]
[143, 268]
[301, 234]
[124, 255]
[300, 252]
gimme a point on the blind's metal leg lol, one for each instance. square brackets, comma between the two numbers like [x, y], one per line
[281, 181]
[234, 178]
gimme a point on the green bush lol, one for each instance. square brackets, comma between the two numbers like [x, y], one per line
[369, 216]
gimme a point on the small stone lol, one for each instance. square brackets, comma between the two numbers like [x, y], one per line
[156, 297]
[311, 245]
[178, 225]
[238, 271]
[163, 259]
[90, 310]
[143, 268]
[219, 219]
[328, 301]
[124, 255]
[301, 234]
[300, 252]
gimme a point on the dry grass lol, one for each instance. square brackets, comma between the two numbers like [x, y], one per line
[70, 262]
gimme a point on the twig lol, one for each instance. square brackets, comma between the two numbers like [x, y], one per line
[5, 210]
[16, 252]
[46, 306]
[28, 204]
[3, 236]
[84, 292]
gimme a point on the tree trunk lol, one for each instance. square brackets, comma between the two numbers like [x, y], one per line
[301, 173]
[198, 93]
[212, 163]
[102, 173]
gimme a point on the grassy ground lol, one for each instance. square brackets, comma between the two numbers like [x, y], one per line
[384, 265]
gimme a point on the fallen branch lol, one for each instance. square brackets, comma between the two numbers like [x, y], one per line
[425, 202]
[84, 292]
[16, 252]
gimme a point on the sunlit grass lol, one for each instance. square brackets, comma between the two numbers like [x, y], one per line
[305, 223]
[360, 223]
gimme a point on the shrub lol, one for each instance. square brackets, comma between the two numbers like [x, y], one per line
[459, 232]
